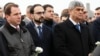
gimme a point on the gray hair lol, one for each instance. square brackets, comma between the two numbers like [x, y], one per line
[74, 4]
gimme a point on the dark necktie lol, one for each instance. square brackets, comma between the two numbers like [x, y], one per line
[78, 27]
[39, 31]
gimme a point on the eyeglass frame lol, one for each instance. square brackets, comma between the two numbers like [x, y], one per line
[39, 13]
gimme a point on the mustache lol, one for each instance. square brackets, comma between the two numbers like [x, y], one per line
[40, 20]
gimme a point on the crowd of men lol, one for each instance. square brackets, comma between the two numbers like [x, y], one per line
[72, 34]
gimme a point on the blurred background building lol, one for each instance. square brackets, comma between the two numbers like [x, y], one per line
[90, 12]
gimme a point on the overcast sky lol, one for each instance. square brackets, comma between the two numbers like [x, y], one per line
[59, 5]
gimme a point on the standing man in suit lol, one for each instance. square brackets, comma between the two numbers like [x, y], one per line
[17, 39]
[49, 14]
[96, 25]
[70, 40]
[41, 34]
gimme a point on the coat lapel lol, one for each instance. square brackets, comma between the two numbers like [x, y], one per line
[34, 32]
[71, 25]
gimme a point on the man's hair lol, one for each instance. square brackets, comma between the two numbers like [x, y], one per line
[56, 14]
[65, 13]
[7, 9]
[47, 5]
[9, 3]
[97, 8]
[74, 4]
[28, 8]
[32, 8]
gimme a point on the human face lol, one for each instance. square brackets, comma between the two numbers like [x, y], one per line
[56, 19]
[38, 15]
[77, 13]
[15, 16]
[85, 15]
[49, 13]
[97, 13]
[28, 14]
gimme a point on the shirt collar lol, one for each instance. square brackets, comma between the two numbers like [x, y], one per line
[36, 25]
[73, 21]
[14, 26]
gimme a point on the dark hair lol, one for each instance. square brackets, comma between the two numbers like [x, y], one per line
[32, 8]
[97, 8]
[56, 14]
[7, 10]
[65, 13]
[9, 3]
[47, 5]
[23, 16]
[29, 8]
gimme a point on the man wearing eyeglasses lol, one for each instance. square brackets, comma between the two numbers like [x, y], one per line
[41, 33]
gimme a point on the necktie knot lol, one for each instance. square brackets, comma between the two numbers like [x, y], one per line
[17, 28]
[78, 27]
[39, 27]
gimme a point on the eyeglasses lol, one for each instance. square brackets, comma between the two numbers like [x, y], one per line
[39, 13]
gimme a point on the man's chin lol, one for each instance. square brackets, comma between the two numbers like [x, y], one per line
[80, 17]
[38, 22]
[19, 23]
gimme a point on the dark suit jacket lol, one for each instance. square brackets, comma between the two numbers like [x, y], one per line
[96, 29]
[46, 42]
[68, 41]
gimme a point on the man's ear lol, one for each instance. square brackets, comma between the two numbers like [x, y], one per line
[7, 17]
[32, 15]
[69, 11]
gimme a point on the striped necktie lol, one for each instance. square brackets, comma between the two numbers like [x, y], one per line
[39, 31]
